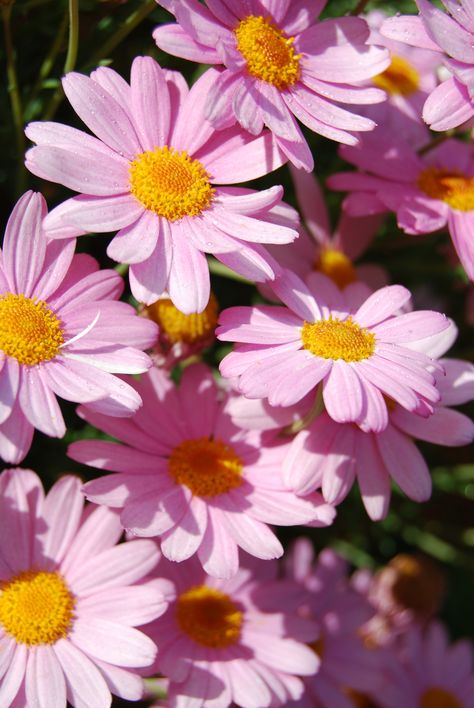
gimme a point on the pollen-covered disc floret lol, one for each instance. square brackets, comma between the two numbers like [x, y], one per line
[209, 617]
[338, 339]
[30, 332]
[269, 54]
[170, 183]
[36, 607]
[401, 78]
[207, 467]
[337, 266]
[451, 187]
[178, 327]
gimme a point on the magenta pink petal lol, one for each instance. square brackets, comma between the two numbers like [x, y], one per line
[20, 503]
[182, 541]
[451, 36]
[373, 478]
[448, 106]
[409, 29]
[218, 552]
[105, 454]
[174, 40]
[405, 464]
[461, 228]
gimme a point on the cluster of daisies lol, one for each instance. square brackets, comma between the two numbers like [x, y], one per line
[333, 379]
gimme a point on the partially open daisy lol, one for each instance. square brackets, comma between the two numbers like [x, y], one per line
[426, 191]
[154, 172]
[69, 602]
[190, 476]
[355, 348]
[280, 64]
[62, 332]
[219, 646]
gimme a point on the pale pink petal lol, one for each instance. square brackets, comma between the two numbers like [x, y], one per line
[246, 228]
[102, 114]
[39, 404]
[461, 228]
[307, 372]
[218, 552]
[150, 103]
[373, 478]
[252, 535]
[85, 685]
[148, 279]
[312, 204]
[113, 643]
[444, 427]
[285, 655]
[405, 464]
[409, 327]
[92, 214]
[121, 682]
[409, 30]
[136, 242]
[108, 455]
[57, 261]
[23, 264]
[62, 527]
[265, 324]
[244, 104]
[448, 106]
[328, 112]
[14, 675]
[174, 40]
[79, 171]
[114, 84]
[192, 135]
[453, 38]
[247, 202]
[91, 289]
[382, 304]
[66, 379]
[198, 384]
[252, 261]
[101, 529]
[457, 384]
[45, 685]
[339, 467]
[300, 15]
[20, 503]
[132, 606]
[188, 281]
[184, 539]
[343, 393]
[16, 435]
[9, 383]
[294, 293]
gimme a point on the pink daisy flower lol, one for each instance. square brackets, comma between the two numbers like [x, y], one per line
[354, 345]
[429, 672]
[193, 478]
[331, 456]
[154, 172]
[280, 64]
[223, 647]
[426, 191]
[320, 248]
[452, 102]
[69, 603]
[345, 664]
[62, 332]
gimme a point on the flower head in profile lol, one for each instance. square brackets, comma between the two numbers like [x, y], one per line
[62, 332]
[355, 345]
[345, 665]
[281, 64]
[187, 474]
[69, 598]
[451, 35]
[223, 647]
[427, 191]
[155, 172]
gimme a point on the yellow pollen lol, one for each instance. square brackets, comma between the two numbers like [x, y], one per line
[178, 327]
[270, 55]
[338, 339]
[401, 78]
[170, 183]
[439, 698]
[209, 617]
[337, 266]
[207, 467]
[29, 331]
[36, 607]
[454, 188]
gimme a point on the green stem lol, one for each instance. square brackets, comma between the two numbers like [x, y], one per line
[315, 410]
[71, 56]
[435, 142]
[360, 7]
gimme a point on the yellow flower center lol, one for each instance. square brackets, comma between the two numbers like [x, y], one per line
[36, 607]
[178, 327]
[207, 467]
[338, 339]
[454, 188]
[439, 698]
[270, 55]
[401, 78]
[209, 617]
[29, 331]
[170, 183]
[418, 584]
[337, 266]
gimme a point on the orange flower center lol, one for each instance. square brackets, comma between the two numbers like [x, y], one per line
[209, 617]
[207, 467]
[178, 327]
[454, 188]
[337, 266]
[439, 698]
[270, 55]
[170, 183]
[401, 78]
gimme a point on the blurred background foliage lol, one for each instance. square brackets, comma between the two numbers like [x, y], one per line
[33, 55]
